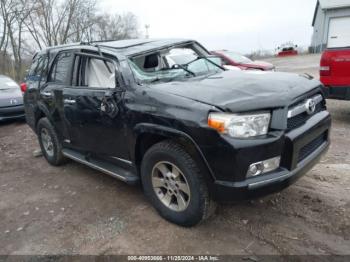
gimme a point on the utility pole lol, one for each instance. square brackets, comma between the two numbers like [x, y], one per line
[147, 26]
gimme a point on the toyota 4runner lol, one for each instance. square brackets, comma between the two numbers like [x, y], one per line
[165, 113]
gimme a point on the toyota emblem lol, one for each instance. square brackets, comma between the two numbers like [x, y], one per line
[13, 102]
[310, 106]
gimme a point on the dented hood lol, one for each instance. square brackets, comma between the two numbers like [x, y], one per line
[239, 91]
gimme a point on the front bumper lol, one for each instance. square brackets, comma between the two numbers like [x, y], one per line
[11, 112]
[302, 149]
[337, 92]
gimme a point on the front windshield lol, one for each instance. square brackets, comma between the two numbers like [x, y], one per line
[240, 59]
[176, 64]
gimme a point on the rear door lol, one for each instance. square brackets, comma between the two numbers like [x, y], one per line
[92, 107]
[51, 92]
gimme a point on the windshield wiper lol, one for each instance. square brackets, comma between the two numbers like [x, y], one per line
[206, 58]
[184, 68]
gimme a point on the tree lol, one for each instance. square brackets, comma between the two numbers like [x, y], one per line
[55, 22]
[13, 15]
[115, 27]
[29, 25]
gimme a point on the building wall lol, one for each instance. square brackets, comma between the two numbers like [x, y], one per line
[321, 27]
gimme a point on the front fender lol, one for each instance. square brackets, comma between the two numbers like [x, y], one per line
[147, 128]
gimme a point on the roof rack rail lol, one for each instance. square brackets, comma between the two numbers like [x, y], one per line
[96, 41]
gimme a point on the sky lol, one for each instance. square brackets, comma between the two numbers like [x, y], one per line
[242, 26]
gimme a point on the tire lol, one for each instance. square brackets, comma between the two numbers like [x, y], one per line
[52, 153]
[198, 205]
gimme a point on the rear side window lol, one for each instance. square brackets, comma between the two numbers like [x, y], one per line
[42, 68]
[31, 73]
[61, 69]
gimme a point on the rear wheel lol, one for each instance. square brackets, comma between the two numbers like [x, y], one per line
[174, 185]
[49, 142]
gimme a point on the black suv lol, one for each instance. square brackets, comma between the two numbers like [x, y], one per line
[165, 113]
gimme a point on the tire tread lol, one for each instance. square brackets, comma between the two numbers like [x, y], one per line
[58, 158]
[179, 151]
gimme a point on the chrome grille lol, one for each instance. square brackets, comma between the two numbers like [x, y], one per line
[299, 113]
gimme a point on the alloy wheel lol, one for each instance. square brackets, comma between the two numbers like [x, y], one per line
[47, 142]
[171, 186]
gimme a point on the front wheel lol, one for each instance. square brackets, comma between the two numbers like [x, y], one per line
[174, 184]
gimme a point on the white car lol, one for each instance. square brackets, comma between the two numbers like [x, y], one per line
[11, 99]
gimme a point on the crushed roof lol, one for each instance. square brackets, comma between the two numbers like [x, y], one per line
[135, 46]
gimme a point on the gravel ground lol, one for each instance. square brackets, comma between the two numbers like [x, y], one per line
[76, 210]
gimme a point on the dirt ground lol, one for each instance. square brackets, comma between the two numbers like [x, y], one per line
[76, 210]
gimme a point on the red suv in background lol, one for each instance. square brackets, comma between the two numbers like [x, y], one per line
[244, 63]
[335, 73]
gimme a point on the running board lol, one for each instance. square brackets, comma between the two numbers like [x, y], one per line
[103, 166]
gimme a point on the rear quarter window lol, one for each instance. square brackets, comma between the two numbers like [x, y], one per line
[38, 69]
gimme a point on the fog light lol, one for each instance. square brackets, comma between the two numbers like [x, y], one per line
[263, 166]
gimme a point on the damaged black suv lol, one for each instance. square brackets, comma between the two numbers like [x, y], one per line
[167, 114]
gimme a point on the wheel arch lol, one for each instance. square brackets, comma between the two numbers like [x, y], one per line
[43, 111]
[149, 134]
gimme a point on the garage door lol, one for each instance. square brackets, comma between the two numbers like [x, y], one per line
[339, 32]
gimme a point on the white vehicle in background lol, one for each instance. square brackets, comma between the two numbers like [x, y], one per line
[11, 99]
[287, 49]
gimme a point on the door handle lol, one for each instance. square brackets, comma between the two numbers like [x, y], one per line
[69, 101]
[46, 94]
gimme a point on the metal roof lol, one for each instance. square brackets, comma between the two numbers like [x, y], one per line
[136, 46]
[332, 4]
[329, 4]
[129, 47]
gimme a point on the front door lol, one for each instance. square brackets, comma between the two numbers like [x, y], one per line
[92, 108]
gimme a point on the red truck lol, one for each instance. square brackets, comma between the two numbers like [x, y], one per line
[335, 72]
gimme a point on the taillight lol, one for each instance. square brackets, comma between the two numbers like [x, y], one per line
[325, 69]
[23, 87]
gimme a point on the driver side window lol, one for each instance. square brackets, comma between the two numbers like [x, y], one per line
[94, 72]
[99, 74]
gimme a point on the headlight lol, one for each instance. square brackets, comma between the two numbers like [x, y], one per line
[240, 125]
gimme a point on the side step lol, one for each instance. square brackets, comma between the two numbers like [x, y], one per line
[103, 166]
